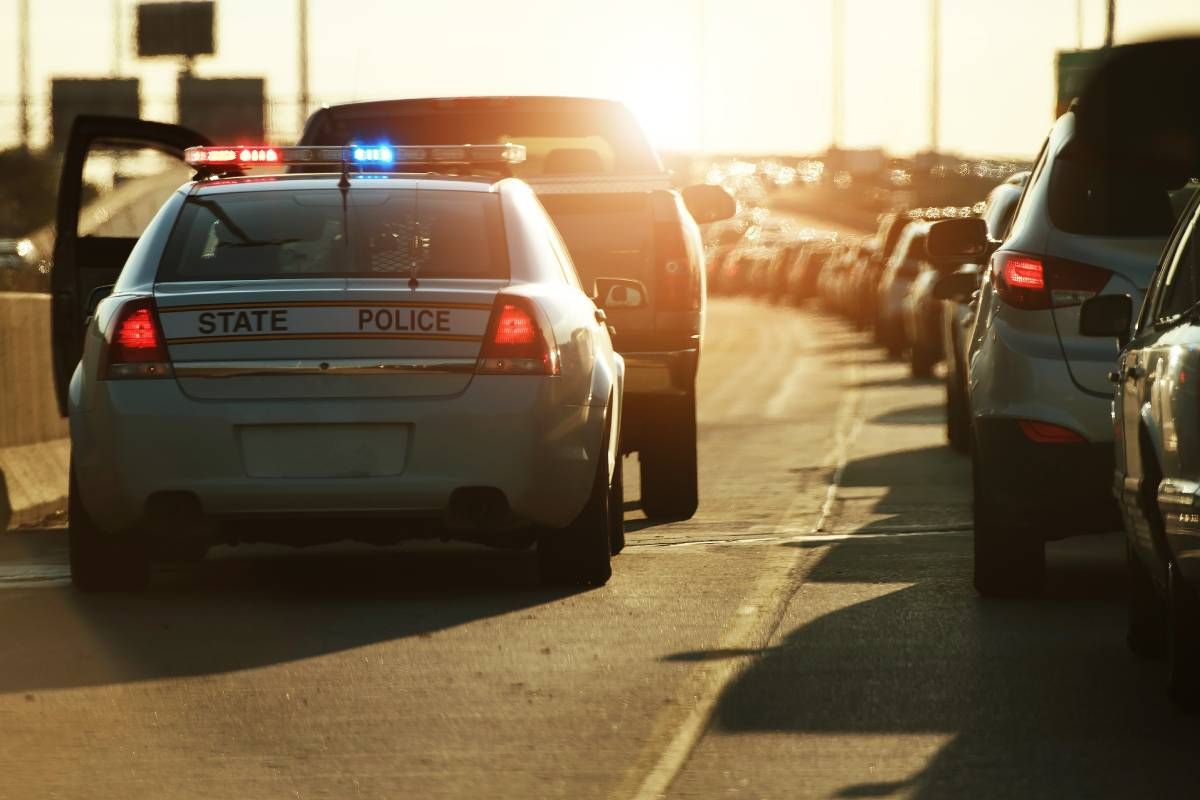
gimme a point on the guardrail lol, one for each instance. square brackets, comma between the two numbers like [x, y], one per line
[34, 448]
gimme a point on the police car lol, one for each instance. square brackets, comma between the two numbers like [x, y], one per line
[381, 351]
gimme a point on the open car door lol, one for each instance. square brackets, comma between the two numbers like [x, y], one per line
[116, 174]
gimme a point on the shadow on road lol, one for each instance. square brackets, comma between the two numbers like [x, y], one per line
[237, 612]
[931, 414]
[1040, 697]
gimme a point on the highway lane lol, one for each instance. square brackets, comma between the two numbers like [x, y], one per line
[810, 633]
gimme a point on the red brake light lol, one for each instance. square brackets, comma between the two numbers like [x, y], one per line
[1032, 283]
[1046, 433]
[514, 327]
[1024, 273]
[678, 279]
[135, 344]
[516, 342]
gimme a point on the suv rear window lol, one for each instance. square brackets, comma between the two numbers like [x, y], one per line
[607, 235]
[1111, 199]
[310, 233]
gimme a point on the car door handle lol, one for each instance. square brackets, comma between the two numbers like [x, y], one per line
[600, 315]
[1136, 372]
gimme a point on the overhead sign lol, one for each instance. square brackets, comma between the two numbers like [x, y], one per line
[224, 109]
[70, 97]
[175, 29]
[1072, 68]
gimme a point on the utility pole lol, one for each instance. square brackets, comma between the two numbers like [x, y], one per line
[1110, 22]
[23, 70]
[702, 71]
[1078, 24]
[935, 73]
[302, 24]
[117, 39]
[837, 95]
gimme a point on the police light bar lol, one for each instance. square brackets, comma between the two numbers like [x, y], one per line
[376, 155]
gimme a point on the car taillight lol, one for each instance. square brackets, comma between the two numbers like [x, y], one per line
[517, 342]
[676, 276]
[134, 344]
[1047, 433]
[1036, 283]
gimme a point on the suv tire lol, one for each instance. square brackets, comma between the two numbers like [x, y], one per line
[103, 561]
[670, 485]
[616, 508]
[1010, 559]
[1146, 634]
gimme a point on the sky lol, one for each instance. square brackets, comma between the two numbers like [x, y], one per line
[712, 75]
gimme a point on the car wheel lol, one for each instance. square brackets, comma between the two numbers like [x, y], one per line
[616, 508]
[579, 555]
[670, 486]
[920, 365]
[1146, 634]
[958, 431]
[1010, 559]
[1183, 641]
[102, 561]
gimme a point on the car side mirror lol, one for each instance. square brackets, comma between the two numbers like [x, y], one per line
[93, 301]
[1109, 315]
[623, 293]
[708, 203]
[958, 286]
[959, 241]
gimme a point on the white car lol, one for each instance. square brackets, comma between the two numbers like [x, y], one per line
[349, 355]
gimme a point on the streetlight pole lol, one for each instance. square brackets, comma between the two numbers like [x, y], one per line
[23, 70]
[837, 98]
[935, 73]
[1110, 22]
[1078, 24]
[302, 24]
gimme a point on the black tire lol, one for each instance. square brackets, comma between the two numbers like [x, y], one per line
[670, 482]
[958, 427]
[1183, 642]
[920, 363]
[103, 561]
[580, 554]
[1010, 558]
[616, 508]
[1146, 634]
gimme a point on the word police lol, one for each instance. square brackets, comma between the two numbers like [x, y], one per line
[261, 320]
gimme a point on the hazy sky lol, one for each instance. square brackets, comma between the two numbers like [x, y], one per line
[751, 75]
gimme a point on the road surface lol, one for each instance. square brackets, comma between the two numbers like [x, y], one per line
[812, 632]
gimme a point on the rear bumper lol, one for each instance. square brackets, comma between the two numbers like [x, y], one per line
[144, 439]
[1057, 489]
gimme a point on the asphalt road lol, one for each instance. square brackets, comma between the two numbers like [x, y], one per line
[812, 632]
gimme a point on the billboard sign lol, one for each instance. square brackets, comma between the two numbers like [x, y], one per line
[70, 97]
[224, 109]
[175, 29]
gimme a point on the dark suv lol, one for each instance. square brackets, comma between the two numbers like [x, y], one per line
[614, 205]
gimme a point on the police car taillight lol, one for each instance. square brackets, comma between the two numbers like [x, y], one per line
[518, 341]
[134, 345]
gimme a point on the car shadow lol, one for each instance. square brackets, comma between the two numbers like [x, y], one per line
[234, 612]
[1034, 698]
[926, 488]
[931, 414]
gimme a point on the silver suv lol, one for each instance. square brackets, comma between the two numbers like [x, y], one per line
[1039, 394]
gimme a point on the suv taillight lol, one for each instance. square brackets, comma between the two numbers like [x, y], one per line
[1035, 283]
[134, 344]
[517, 342]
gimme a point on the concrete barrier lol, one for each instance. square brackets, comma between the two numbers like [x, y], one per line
[34, 448]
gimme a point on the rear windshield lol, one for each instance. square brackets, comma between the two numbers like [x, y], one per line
[1110, 199]
[607, 234]
[578, 141]
[313, 233]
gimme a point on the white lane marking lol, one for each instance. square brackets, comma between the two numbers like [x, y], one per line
[26, 576]
[769, 598]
